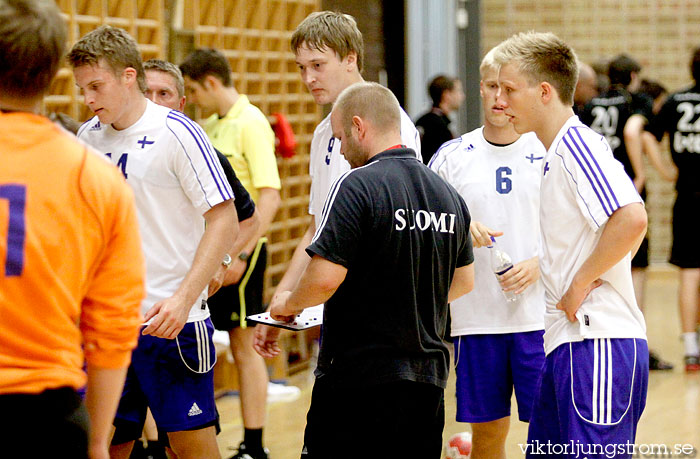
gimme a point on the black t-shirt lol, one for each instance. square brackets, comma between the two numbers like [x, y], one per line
[245, 207]
[608, 113]
[434, 129]
[680, 117]
[401, 231]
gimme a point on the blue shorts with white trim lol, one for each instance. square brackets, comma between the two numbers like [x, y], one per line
[489, 367]
[174, 378]
[591, 396]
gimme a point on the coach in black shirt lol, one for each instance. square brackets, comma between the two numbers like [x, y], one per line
[392, 248]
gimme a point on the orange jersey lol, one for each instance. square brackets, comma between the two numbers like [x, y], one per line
[71, 265]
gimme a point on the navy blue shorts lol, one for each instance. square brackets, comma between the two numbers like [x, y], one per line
[489, 367]
[591, 396]
[173, 378]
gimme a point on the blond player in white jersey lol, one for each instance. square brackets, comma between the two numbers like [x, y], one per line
[593, 387]
[498, 344]
[178, 186]
[329, 52]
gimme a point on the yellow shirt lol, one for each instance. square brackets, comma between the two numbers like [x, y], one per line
[245, 137]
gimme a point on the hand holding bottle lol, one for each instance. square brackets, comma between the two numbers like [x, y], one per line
[501, 263]
[521, 276]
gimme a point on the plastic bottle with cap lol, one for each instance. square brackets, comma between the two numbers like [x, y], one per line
[501, 263]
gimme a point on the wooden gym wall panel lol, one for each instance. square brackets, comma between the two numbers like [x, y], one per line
[143, 19]
[660, 34]
[254, 36]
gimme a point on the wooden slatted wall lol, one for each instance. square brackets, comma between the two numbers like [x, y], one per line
[255, 38]
[143, 19]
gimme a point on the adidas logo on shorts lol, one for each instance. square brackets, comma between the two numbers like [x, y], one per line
[194, 411]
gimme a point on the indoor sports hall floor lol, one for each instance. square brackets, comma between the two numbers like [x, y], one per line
[671, 417]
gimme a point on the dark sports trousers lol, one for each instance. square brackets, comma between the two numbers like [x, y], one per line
[400, 419]
[641, 258]
[231, 304]
[53, 423]
[685, 251]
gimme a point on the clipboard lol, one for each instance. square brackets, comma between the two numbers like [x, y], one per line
[308, 318]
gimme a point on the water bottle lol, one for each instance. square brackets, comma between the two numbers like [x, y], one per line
[500, 264]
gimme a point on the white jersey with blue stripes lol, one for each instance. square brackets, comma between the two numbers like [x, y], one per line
[582, 185]
[501, 186]
[326, 163]
[176, 178]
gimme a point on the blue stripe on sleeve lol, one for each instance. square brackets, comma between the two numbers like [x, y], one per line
[588, 171]
[444, 150]
[204, 148]
[605, 179]
[205, 141]
[196, 176]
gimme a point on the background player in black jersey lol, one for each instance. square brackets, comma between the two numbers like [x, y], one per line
[680, 118]
[434, 126]
[620, 114]
[658, 94]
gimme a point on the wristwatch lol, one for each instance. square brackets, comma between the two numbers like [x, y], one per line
[243, 256]
[226, 261]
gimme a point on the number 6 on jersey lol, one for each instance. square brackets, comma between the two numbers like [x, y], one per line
[503, 183]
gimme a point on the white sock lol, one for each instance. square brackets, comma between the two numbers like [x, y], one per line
[690, 340]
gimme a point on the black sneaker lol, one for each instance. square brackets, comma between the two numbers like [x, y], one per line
[138, 451]
[245, 453]
[655, 363]
[155, 450]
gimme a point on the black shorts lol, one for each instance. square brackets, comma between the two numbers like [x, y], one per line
[641, 258]
[399, 419]
[685, 252]
[56, 418]
[231, 304]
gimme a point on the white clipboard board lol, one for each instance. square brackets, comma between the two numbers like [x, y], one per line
[308, 318]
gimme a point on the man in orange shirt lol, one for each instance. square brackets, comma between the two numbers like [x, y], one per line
[71, 266]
